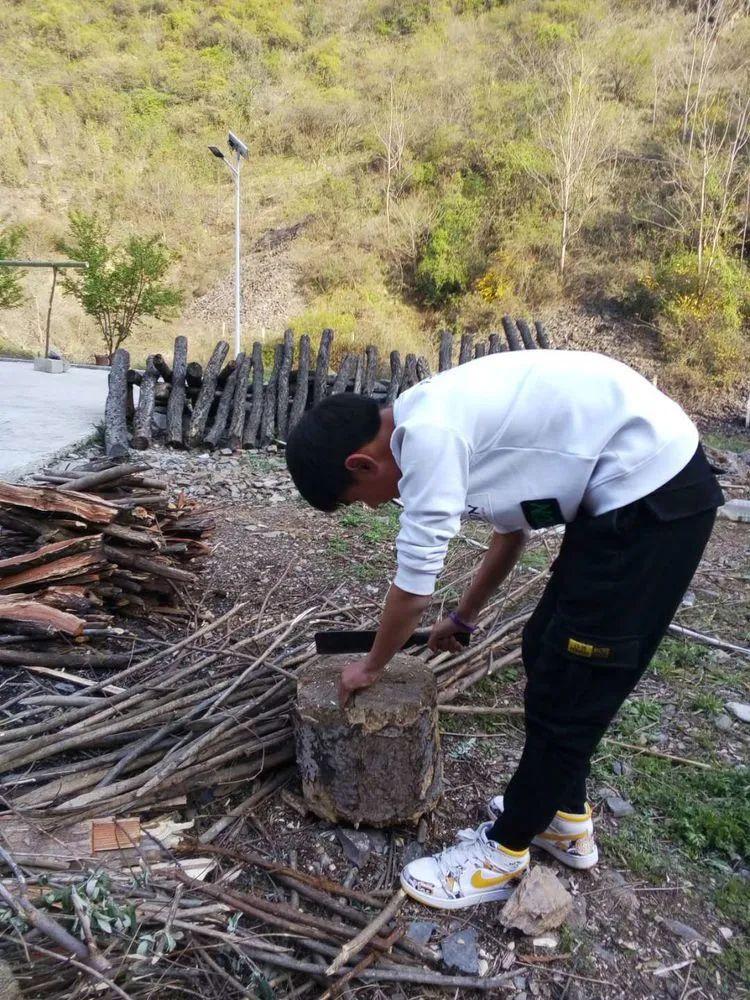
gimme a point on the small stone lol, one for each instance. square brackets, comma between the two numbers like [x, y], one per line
[726, 932]
[545, 942]
[723, 722]
[460, 951]
[519, 982]
[683, 931]
[605, 955]
[620, 891]
[225, 451]
[739, 710]
[619, 807]
[622, 767]
[412, 852]
[688, 601]
[378, 841]
[578, 913]
[539, 903]
[420, 931]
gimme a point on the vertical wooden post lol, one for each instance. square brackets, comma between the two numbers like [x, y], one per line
[206, 395]
[410, 376]
[344, 374]
[239, 403]
[446, 351]
[282, 392]
[511, 334]
[423, 368]
[395, 383]
[49, 312]
[321, 366]
[252, 421]
[176, 402]
[494, 343]
[303, 382]
[115, 424]
[526, 334]
[480, 350]
[216, 433]
[371, 369]
[541, 335]
[267, 419]
[145, 411]
[467, 343]
[358, 372]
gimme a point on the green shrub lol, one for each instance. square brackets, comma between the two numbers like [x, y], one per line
[11, 293]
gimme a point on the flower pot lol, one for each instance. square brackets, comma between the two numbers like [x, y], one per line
[102, 359]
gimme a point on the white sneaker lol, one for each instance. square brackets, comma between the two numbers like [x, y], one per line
[569, 837]
[475, 870]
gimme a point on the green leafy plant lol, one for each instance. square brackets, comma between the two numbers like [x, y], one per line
[11, 293]
[123, 283]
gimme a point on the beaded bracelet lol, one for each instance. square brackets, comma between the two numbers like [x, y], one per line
[458, 620]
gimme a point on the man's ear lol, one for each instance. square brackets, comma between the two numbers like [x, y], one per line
[362, 464]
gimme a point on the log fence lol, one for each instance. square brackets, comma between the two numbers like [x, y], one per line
[238, 404]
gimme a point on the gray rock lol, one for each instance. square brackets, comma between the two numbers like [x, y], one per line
[739, 710]
[539, 903]
[620, 892]
[420, 931]
[619, 807]
[355, 845]
[519, 982]
[684, 931]
[622, 767]
[577, 915]
[460, 951]
[735, 510]
[378, 841]
[412, 851]
[723, 722]
[745, 457]
[605, 955]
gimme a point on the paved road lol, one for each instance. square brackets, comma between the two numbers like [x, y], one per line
[42, 415]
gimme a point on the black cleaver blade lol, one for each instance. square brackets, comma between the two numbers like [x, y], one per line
[335, 642]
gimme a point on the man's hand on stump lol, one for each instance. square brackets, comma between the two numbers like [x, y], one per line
[355, 676]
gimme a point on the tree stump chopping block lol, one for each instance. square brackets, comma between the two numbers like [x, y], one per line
[378, 761]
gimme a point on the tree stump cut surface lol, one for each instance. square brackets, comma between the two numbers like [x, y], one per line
[378, 761]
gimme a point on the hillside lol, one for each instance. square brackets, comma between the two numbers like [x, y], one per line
[448, 162]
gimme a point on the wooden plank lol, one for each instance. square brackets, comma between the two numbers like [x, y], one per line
[44, 498]
[282, 385]
[321, 366]
[176, 401]
[303, 382]
[252, 421]
[112, 835]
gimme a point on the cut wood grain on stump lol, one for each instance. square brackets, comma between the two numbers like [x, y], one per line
[282, 391]
[252, 421]
[176, 401]
[239, 403]
[206, 394]
[115, 412]
[144, 414]
[303, 382]
[347, 759]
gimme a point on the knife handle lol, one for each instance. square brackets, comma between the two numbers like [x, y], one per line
[421, 637]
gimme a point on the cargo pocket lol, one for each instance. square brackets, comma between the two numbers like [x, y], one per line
[592, 650]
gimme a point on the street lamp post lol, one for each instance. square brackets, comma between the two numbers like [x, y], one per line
[240, 151]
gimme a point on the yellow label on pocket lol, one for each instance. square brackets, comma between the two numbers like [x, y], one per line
[586, 649]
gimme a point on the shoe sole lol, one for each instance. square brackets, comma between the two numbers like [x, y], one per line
[490, 896]
[579, 862]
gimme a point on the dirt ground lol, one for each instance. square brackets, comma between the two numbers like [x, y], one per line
[665, 913]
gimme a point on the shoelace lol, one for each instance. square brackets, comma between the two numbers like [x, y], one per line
[469, 848]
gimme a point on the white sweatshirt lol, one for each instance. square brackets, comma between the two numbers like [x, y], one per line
[572, 429]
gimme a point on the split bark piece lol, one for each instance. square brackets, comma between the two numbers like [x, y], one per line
[145, 412]
[47, 553]
[542, 338]
[176, 402]
[371, 369]
[239, 403]
[115, 411]
[467, 344]
[219, 426]
[206, 395]
[344, 374]
[526, 334]
[303, 383]
[252, 421]
[511, 334]
[348, 758]
[445, 356]
[268, 416]
[16, 608]
[129, 559]
[44, 498]
[366, 935]
[321, 366]
[66, 568]
[396, 374]
[282, 391]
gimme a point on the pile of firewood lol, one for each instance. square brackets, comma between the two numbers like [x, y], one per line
[236, 403]
[88, 543]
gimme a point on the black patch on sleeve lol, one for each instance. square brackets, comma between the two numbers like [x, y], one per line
[542, 513]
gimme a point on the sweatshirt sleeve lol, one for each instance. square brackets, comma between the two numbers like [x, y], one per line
[434, 463]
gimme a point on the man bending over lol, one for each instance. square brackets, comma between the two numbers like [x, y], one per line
[526, 440]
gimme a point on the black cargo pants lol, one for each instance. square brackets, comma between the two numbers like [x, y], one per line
[615, 586]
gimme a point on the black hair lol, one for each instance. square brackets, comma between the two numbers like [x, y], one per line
[321, 442]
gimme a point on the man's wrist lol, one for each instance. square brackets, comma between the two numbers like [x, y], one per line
[463, 619]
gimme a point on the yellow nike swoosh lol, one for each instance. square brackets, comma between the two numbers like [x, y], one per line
[478, 880]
